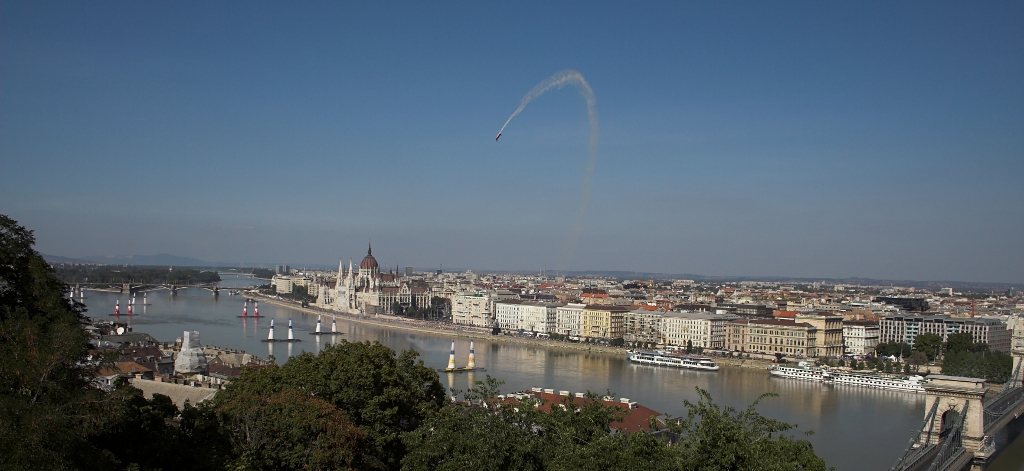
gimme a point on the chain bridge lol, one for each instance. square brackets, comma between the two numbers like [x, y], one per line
[960, 422]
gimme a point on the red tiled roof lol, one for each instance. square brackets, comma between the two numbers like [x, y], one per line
[633, 420]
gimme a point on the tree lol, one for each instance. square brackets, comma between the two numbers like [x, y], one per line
[713, 437]
[46, 404]
[995, 367]
[689, 347]
[893, 349]
[290, 429]
[917, 359]
[50, 415]
[963, 342]
[383, 394]
[929, 344]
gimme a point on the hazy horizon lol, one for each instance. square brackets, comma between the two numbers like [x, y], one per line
[800, 140]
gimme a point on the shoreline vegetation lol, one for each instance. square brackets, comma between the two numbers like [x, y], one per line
[138, 275]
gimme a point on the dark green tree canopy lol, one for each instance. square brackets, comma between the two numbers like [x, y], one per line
[383, 394]
[929, 344]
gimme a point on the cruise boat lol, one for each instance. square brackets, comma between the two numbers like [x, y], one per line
[801, 371]
[914, 383]
[665, 359]
[822, 375]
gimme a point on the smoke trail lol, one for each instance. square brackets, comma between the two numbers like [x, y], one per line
[560, 80]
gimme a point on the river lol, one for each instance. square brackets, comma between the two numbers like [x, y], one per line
[854, 428]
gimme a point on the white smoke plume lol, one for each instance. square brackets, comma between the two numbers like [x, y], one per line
[560, 80]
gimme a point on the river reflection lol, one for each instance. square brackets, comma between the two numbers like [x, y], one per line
[848, 421]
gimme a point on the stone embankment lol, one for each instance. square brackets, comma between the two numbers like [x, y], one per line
[437, 328]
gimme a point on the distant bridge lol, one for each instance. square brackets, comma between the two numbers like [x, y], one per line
[133, 288]
[960, 423]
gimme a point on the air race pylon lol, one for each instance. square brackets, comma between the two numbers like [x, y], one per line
[451, 357]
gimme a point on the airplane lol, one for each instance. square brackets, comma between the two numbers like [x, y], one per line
[499, 137]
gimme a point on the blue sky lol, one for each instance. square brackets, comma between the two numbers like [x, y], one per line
[817, 139]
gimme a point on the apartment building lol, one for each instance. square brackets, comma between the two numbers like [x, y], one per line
[699, 329]
[569, 318]
[603, 321]
[644, 325]
[472, 309]
[530, 316]
[783, 336]
[860, 337]
[829, 331]
[906, 327]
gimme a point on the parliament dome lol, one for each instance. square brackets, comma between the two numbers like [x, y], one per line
[369, 263]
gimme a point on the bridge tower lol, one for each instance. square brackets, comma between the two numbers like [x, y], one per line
[1017, 350]
[951, 397]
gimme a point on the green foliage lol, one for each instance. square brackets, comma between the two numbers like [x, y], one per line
[264, 273]
[50, 416]
[45, 401]
[717, 438]
[579, 436]
[917, 358]
[929, 344]
[290, 429]
[993, 367]
[383, 394]
[893, 349]
[963, 342]
[116, 275]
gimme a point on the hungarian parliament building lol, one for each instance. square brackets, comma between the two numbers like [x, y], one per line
[368, 291]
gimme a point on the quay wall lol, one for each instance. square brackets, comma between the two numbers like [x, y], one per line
[391, 322]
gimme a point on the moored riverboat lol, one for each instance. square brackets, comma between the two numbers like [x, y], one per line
[654, 358]
[913, 383]
[801, 371]
[805, 372]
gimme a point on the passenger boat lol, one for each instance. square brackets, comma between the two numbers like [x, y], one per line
[801, 371]
[665, 359]
[822, 375]
[914, 383]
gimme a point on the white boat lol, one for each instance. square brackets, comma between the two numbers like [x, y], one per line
[822, 375]
[914, 383]
[801, 371]
[665, 359]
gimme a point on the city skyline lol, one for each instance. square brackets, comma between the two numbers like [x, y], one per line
[804, 140]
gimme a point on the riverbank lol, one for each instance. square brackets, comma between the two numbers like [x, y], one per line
[436, 328]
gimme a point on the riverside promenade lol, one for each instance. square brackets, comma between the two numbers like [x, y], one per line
[438, 328]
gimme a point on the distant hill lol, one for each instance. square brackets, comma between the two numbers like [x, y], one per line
[60, 259]
[161, 259]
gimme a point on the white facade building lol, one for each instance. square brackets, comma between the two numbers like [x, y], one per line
[526, 315]
[569, 318]
[701, 329]
[472, 309]
[860, 337]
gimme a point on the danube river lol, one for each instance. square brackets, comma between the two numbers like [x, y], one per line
[854, 428]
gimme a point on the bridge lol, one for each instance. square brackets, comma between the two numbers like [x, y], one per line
[132, 288]
[960, 422]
